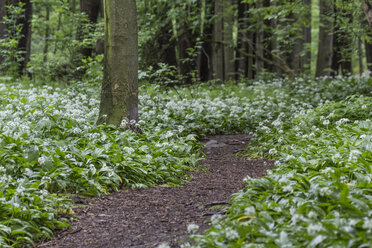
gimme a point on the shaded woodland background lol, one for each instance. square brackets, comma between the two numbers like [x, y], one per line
[183, 41]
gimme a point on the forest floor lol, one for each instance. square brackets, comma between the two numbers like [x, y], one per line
[145, 218]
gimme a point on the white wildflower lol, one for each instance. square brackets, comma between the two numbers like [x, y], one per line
[272, 151]
[367, 223]
[326, 122]
[288, 188]
[312, 229]
[163, 245]
[216, 218]
[231, 234]
[192, 228]
[41, 160]
[250, 211]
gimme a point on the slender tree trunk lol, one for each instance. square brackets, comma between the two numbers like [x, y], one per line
[251, 60]
[91, 8]
[58, 28]
[199, 59]
[242, 61]
[2, 26]
[368, 47]
[176, 37]
[360, 57]
[275, 45]
[218, 57]
[46, 44]
[73, 6]
[119, 95]
[367, 9]
[326, 29]
[297, 50]
[24, 43]
[307, 37]
[229, 63]
[259, 39]
[342, 44]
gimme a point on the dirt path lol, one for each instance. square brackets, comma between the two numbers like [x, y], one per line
[148, 217]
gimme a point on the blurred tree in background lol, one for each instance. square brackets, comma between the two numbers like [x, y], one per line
[183, 41]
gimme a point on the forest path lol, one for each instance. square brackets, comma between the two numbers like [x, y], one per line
[145, 218]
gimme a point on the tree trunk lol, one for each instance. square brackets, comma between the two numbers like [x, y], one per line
[241, 60]
[368, 47]
[326, 29]
[46, 41]
[259, 40]
[58, 28]
[218, 58]
[307, 38]
[367, 9]
[24, 43]
[91, 8]
[360, 57]
[275, 44]
[342, 44]
[73, 6]
[251, 60]
[228, 29]
[2, 26]
[119, 95]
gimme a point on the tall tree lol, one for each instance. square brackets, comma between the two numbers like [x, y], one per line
[2, 25]
[218, 46]
[92, 9]
[342, 40]
[47, 32]
[119, 94]
[228, 30]
[260, 38]
[367, 9]
[245, 40]
[325, 45]
[24, 43]
[24, 21]
[307, 36]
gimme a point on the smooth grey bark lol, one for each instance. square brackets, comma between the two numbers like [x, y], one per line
[119, 94]
[325, 45]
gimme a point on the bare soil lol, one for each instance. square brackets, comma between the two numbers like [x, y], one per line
[145, 218]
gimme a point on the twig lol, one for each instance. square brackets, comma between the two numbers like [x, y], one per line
[208, 205]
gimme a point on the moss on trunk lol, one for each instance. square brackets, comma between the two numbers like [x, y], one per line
[119, 94]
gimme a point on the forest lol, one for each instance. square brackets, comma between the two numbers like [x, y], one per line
[248, 122]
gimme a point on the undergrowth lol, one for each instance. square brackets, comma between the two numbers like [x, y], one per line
[319, 193]
[51, 147]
